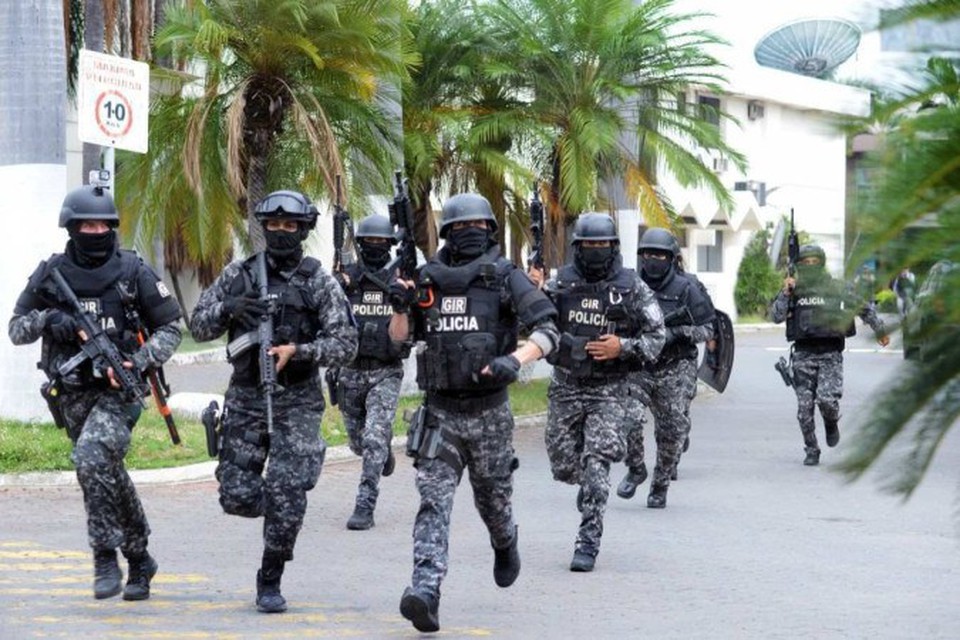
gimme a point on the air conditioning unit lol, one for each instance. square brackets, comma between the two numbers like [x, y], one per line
[720, 164]
[755, 110]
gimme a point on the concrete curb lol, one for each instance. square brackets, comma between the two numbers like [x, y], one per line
[201, 471]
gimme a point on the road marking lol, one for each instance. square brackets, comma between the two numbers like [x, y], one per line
[44, 555]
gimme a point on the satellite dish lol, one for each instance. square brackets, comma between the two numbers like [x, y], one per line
[811, 47]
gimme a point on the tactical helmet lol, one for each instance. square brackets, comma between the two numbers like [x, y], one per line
[812, 251]
[595, 226]
[658, 239]
[88, 203]
[376, 226]
[290, 205]
[466, 207]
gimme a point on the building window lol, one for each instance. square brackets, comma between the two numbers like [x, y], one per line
[709, 109]
[710, 258]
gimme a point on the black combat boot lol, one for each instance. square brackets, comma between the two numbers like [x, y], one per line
[506, 562]
[269, 599]
[422, 609]
[833, 432]
[633, 479]
[582, 561]
[812, 459]
[389, 465]
[361, 520]
[106, 574]
[141, 572]
[658, 496]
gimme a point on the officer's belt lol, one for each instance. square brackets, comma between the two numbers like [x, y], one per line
[595, 379]
[366, 364]
[467, 404]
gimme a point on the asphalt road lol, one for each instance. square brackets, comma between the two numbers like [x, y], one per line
[751, 545]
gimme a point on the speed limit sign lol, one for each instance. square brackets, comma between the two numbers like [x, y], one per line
[113, 101]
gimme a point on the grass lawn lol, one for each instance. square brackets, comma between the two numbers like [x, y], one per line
[43, 447]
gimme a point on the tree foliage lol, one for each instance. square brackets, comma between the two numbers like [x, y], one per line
[757, 281]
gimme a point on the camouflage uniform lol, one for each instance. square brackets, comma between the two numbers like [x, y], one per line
[467, 316]
[263, 475]
[96, 417]
[818, 331]
[669, 385]
[586, 409]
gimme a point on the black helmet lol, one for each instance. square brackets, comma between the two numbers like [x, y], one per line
[88, 203]
[376, 226]
[812, 251]
[595, 226]
[291, 205]
[465, 207]
[658, 239]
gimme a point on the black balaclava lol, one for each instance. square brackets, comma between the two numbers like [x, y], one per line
[375, 255]
[594, 262]
[654, 271]
[285, 246]
[92, 249]
[468, 243]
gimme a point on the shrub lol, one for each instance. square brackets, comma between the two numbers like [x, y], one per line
[757, 281]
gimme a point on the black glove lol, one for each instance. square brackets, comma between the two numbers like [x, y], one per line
[672, 336]
[505, 369]
[246, 309]
[61, 326]
[401, 297]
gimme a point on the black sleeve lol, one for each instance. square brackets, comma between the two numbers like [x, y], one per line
[31, 298]
[157, 305]
[532, 304]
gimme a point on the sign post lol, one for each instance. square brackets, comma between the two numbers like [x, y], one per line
[113, 101]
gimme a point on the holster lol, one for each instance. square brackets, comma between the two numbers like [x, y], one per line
[332, 377]
[50, 391]
[415, 432]
[783, 368]
[211, 419]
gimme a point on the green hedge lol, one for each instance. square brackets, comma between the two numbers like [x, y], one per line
[757, 281]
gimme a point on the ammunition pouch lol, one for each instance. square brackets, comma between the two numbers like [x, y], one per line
[571, 354]
[445, 366]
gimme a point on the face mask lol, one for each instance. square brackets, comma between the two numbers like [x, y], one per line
[282, 244]
[96, 246]
[809, 272]
[594, 262]
[375, 255]
[469, 242]
[656, 269]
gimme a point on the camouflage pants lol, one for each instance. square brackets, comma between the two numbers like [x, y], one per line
[295, 450]
[635, 405]
[369, 404]
[99, 424]
[486, 450]
[670, 387]
[818, 380]
[583, 437]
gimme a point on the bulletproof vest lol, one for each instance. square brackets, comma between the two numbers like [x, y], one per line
[675, 293]
[98, 290]
[464, 324]
[295, 320]
[817, 315]
[372, 311]
[586, 311]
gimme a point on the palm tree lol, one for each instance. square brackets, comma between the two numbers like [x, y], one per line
[290, 93]
[914, 219]
[604, 77]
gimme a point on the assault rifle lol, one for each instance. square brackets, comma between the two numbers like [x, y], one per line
[158, 384]
[793, 247]
[401, 216]
[535, 259]
[99, 349]
[268, 369]
[341, 220]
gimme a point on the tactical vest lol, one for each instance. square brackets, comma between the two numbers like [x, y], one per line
[676, 292]
[817, 315]
[295, 320]
[585, 311]
[464, 326]
[98, 290]
[372, 311]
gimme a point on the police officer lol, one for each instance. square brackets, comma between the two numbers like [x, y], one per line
[608, 319]
[369, 387]
[813, 306]
[269, 474]
[120, 291]
[670, 383]
[470, 303]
